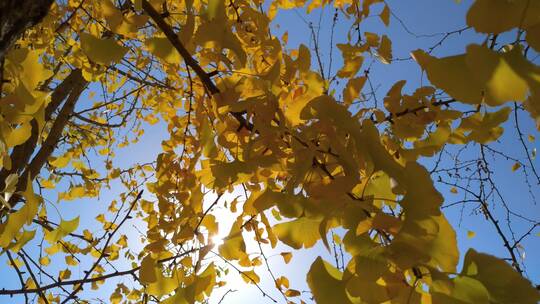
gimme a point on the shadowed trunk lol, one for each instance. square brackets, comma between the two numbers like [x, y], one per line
[18, 15]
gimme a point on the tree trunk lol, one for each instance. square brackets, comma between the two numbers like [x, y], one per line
[18, 15]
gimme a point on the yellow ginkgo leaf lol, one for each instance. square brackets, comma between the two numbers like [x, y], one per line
[250, 277]
[147, 273]
[350, 67]
[304, 58]
[17, 219]
[385, 50]
[27, 63]
[497, 16]
[385, 15]
[233, 247]
[326, 283]
[352, 89]
[216, 9]
[496, 74]
[498, 277]
[45, 260]
[470, 234]
[302, 232]
[454, 190]
[516, 166]
[65, 228]
[24, 238]
[215, 31]
[163, 285]
[102, 50]
[16, 136]
[61, 161]
[287, 256]
[452, 75]
[162, 48]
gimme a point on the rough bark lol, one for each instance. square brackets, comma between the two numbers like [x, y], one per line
[18, 15]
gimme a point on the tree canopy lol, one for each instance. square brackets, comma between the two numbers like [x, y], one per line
[281, 145]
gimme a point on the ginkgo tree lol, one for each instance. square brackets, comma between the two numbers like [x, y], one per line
[312, 154]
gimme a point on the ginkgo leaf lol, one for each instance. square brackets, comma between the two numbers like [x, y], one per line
[162, 48]
[385, 50]
[45, 260]
[498, 277]
[127, 24]
[163, 285]
[24, 215]
[28, 62]
[452, 75]
[216, 9]
[497, 16]
[499, 79]
[470, 234]
[207, 139]
[352, 89]
[295, 106]
[286, 257]
[203, 284]
[304, 58]
[462, 290]
[292, 293]
[61, 161]
[219, 33]
[233, 247]
[250, 277]
[516, 166]
[147, 273]
[63, 229]
[350, 67]
[102, 50]
[16, 136]
[385, 15]
[325, 282]
[10, 186]
[24, 238]
[302, 232]
[485, 128]
[429, 241]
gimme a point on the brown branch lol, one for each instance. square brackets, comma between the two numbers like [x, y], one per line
[102, 255]
[190, 61]
[391, 116]
[81, 282]
[242, 273]
[171, 35]
[40, 293]
[19, 274]
[56, 130]
[21, 154]
[196, 230]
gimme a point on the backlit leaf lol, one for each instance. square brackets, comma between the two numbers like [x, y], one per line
[102, 50]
